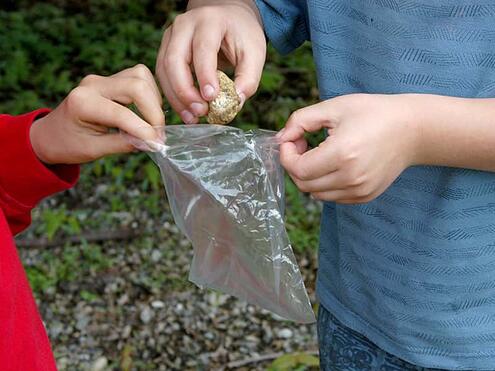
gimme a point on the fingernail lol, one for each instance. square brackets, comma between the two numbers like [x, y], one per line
[208, 92]
[187, 117]
[197, 108]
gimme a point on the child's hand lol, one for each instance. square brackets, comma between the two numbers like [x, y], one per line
[372, 139]
[210, 33]
[77, 131]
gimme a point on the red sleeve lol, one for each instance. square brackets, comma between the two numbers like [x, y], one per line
[24, 179]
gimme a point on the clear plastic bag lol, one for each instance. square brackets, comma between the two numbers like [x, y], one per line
[226, 191]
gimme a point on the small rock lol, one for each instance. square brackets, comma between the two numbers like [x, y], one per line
[123, 299]
[209, 336]
[179, 308]
[126, 331]
[285, 333]
[146, 315]
[276, 317]
[62, 363]
[158, 304]
[55, 329]
[227, 104]
[101, 188]
[100, 364]
[156, 255]
[82, 321]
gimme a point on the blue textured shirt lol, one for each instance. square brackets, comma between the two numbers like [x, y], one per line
[413, 270]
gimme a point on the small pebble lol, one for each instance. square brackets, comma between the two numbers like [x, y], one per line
[146, 315]
[156, 255]
[157, 304]
[100, 364]
[285, 333]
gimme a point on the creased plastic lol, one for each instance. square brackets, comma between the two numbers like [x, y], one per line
[226, 191]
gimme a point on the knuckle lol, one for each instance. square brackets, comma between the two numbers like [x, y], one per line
[301, 173]
[350, 155]
[295, 116]
[75, 99]
[357, 179]
[141, 71]
[363, 192]
[170, 60]
[302, 186]
[179, 19]
[182, 93]
[89, 80]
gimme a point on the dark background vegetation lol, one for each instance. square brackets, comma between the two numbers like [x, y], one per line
[119, 206]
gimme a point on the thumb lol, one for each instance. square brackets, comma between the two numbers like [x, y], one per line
[309, 119]
[289, 156]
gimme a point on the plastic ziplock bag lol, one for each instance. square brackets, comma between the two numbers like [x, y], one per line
[226, 191]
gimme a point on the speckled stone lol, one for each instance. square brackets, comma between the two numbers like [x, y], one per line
[226, 105]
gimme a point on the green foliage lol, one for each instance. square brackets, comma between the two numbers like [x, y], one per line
[70, 265]
[55, 220]
[88, 296]
[46, 49]
[295, 361]
[302, 221]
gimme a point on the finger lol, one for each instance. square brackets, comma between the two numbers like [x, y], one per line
[308, 119]
[341, 196]
[99, 110]
[328, 182]
[206, 46]
[248, 72]
[134, 90]
[301, 145]
[110, 144]
[160, 60]
[140, 71]
[177, 59]
[309, 165]
[186, 116]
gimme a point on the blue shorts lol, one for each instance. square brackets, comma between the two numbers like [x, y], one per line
[344, 349]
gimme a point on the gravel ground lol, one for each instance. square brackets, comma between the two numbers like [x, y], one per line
[128, 304]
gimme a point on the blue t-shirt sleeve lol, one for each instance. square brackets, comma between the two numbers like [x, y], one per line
[284, 22]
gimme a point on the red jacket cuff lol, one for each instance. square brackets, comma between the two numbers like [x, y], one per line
[23, 176]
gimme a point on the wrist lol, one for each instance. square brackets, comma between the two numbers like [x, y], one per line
[414, 116]
[249, 5]
[38, 141]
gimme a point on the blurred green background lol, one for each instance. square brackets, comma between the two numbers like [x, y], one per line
[119, 206]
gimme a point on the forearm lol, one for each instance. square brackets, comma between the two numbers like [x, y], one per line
[456, 132]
